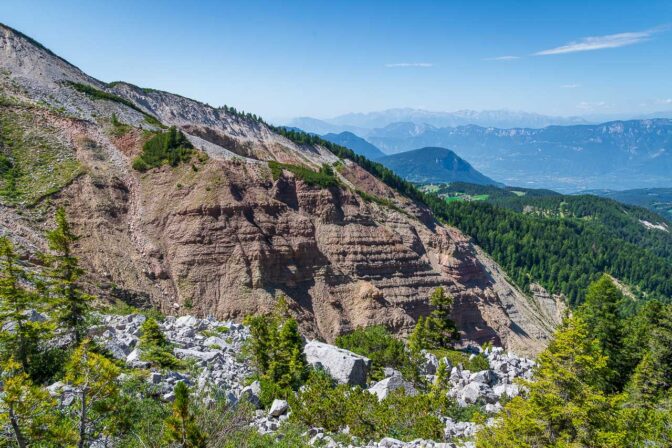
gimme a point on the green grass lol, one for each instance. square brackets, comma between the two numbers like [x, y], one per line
[480, 197]
[34, 163]
[323, 178]
[453, 199]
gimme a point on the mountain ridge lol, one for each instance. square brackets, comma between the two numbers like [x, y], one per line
[434, 165]
[226, 234]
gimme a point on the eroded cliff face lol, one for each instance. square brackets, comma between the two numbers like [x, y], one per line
[221, 237]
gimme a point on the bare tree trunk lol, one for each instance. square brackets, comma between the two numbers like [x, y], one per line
[82, 421]
[20, 440]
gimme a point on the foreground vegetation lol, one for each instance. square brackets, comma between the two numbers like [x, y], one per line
[604, 381]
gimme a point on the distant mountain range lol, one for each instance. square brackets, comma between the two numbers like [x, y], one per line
[614, 155]
[434, 165]
[362, 123]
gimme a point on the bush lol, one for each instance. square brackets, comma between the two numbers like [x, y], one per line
[321, 403]
[323, 178]
[383, 349]
[165, 148]
[475, 364]
[155, 348]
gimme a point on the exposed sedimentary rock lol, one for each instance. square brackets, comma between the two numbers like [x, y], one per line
[225, 238]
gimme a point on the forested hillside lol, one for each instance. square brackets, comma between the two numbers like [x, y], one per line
[564, 242]
[658, 200]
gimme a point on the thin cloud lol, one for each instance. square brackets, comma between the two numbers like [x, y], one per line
[503, 58]
[590, 106]
[410, 64]
[602, 42]
[665, 101]
[570, 86]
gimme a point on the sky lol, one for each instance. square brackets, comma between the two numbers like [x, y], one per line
[282, 59]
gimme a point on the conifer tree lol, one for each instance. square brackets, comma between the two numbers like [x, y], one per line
[181, 426]
[442, 328]
[652, 379]
[27, 416]
[154, 347]
[94, 378]
[20, 335]
[438, 329]
[601, 312]
[565, 405]
[71, 303]
[289, 366]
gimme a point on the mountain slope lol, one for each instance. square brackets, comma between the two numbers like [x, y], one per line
[357, 144]
[242, 222]
[621, 154]
[434, 165]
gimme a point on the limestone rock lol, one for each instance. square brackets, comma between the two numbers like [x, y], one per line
[278, 407]
[383, 388]
[344, 366]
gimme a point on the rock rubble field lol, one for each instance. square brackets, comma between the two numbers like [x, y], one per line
[214, 352]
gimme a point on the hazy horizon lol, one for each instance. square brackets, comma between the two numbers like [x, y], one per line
[324, 60]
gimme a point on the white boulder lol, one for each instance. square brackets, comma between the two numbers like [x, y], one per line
[344, 366]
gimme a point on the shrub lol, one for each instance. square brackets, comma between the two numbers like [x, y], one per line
[383, 349]
[165, 148]
[321, 403]
[323, 178]
[155, 348]
[277, 352]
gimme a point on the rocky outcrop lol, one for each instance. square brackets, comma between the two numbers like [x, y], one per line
[222, 237]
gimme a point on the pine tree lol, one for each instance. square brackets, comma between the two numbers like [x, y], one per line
[442, 328]
[94, 379]
[27, 416]
[71, 303]
[181, 426]
[154, 347]
[288, 369]
[20, 335]
[565, 405]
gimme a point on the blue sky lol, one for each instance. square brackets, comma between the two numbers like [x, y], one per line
[319, 58]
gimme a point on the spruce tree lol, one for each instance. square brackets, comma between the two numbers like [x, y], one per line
[71, 303]
[601, 312]
[565, 405]
[442, 328]
[652, 379]
[181, 427]
[289, 365]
